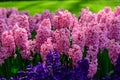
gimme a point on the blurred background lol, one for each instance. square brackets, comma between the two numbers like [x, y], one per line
[73, 6]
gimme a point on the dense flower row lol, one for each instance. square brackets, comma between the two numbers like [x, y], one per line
[63, 32]
[54, 70]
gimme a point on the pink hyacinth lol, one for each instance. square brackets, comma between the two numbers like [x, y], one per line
[113, 50]
[103, 35]
[21, 40]
[21, 37]
[102, 42]
[92, 36]
[92, 68]
[26, 54]
[21, 21]
[62, 37]
[31, 45]
[3, 13]
[8, 41]
[86, 17]
[47, 15]
[46, 47]
[62, 19]
[91, 52]
[40, 17]
[33, 24]
[117, 11]
[3, 27]
[12, 11]
[46, 23]
[92, 44]
[24, 13]
[75, 53]
[73, 22]
[37, 17]
[105, 16]
[114, 29]
[78, 37]
[43, 33]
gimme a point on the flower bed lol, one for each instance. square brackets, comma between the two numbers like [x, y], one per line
[67, 47]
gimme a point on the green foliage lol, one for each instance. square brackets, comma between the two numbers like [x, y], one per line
[104, 64]
[11, 65]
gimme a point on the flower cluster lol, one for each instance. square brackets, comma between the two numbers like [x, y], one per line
[52, 69]
[61, 31]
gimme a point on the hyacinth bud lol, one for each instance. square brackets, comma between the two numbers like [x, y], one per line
[8, 41]
[43, 33]
[15, 56]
